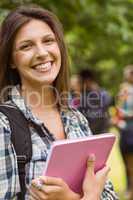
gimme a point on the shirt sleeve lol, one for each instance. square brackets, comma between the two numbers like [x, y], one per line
[9, 180]
[83, 123]
[108, 192]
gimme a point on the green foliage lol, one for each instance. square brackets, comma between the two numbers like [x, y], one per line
[99, 34]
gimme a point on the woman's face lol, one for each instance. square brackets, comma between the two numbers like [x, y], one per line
[36, 54]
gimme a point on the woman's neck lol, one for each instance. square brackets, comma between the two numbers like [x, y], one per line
[40, 97]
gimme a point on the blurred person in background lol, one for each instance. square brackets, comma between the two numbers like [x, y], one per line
[94, 102]
[125, 125]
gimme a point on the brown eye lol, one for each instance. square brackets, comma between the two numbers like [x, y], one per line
[49, 40]
[25, 47]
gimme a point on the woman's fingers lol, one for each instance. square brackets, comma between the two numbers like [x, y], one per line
[104, 171]
[47, 180]
[93, 183]
[47, 188]
[91, 164]
[91, 167]
[38, 194]
[33, 195]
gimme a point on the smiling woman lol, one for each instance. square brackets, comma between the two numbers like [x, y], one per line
[37, 42]
[36, 54]
[34, 82]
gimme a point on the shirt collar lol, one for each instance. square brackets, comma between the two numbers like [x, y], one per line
[20, 103]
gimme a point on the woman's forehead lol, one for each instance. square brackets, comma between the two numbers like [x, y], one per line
[33, 29]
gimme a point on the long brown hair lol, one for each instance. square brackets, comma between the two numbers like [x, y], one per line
[12, 23]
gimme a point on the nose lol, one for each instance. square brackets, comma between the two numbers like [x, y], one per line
[41, 52]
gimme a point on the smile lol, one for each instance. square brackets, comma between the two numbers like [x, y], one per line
[43, 67]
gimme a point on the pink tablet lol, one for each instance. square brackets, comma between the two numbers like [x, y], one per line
[67, 158]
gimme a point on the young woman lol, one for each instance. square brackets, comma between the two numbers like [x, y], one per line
[125, 109]
[34, 71]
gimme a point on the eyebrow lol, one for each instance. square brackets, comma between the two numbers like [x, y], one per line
[29, 40]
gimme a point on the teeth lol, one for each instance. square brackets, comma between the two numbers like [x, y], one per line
[43, 67]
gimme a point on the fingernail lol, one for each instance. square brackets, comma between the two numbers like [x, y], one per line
[92, 157]
[38, 184]
[43, 179]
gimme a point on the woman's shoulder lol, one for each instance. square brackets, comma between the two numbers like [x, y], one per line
[73, 113]
[4, 122]
[76, 119]
[124, 86]
[5, 132]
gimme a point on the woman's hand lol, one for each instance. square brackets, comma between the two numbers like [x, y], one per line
[51, 188]
[93, 184]
[56, 189]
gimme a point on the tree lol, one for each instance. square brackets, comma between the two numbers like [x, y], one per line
[98, 34]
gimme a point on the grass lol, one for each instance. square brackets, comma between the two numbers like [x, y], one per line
[117, 173]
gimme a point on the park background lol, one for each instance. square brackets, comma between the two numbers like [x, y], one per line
[99, 36]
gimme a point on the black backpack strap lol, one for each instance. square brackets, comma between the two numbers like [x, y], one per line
[21, 139]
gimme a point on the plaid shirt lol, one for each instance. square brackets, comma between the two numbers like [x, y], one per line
[75, 126]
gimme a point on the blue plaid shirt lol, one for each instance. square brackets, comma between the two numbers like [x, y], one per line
[75, 126]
